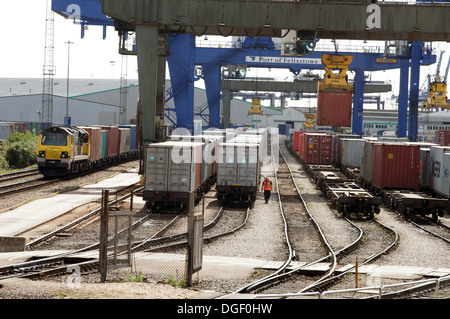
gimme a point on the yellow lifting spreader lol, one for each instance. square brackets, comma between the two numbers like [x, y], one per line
[332, 80]
[309, 122]
[437, 94]
[255, 107]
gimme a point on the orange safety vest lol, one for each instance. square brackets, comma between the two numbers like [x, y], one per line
[267, 184]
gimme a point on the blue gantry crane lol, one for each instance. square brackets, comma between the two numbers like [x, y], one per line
[184, 56]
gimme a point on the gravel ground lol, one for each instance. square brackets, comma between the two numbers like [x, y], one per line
[261, 237]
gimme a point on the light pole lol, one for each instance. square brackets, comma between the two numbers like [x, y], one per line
[66, 119]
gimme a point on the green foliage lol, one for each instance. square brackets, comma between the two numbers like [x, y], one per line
[19, 151]
[172, 281]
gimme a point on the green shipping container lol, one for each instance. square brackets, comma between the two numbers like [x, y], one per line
[103, 144]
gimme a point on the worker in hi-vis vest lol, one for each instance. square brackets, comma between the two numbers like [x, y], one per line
[266, 187]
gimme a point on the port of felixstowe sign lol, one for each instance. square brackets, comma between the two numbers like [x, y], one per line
[289, 60]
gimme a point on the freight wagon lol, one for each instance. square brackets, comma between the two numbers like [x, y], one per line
[397, 173]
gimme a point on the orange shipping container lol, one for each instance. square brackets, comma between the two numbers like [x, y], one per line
[334, 108]
[95, 142]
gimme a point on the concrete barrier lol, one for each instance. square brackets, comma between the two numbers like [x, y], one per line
[11, 244]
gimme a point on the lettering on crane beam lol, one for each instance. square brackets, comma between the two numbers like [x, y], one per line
[384, 60]
[287, 60]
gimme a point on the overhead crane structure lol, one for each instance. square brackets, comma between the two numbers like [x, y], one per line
[154, 20]
[263, 54]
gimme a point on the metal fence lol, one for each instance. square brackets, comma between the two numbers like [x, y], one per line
[163, 247]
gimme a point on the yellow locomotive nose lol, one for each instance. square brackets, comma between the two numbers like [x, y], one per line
[52, 154]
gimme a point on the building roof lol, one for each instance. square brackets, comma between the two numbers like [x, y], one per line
[77, 87]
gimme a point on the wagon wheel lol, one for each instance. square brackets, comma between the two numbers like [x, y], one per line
[434, 216]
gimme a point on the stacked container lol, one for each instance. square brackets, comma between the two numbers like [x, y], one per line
[334, 108]
[173, 170]
[395, 166]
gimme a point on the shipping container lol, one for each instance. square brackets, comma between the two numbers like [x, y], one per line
[297, 141]
[105, 139]
[395, 166]
[132, 128]
[439, 169]
[124, 138]
[283, 129]
[6, 129]
[334, 108]
[317, 148]
[227, 134]
[366, 161]
[173, 170]
[425, 169]
[444, 138]
[207, 151]
[351, 152]
[392, 139]
[239, 171]
[112, 141]
[95, 142]
[337, 150]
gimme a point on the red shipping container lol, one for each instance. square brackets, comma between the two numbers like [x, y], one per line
[334, 108]
[444, 138]
[317, 148]
[395, 165]
[301, 147]
[296, 141]
[95, 142]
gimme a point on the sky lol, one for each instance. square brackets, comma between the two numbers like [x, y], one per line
[22, 53]
[23, 46]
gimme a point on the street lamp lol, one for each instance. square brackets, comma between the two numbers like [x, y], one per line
[67, 119]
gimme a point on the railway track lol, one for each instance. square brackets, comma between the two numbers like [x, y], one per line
[160, 240]
[283, 275]
[19, 174]
[436, 229]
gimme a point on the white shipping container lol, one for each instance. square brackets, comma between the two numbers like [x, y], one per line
[440, 169]
[239, 164]
[351, 152]
[173, 166]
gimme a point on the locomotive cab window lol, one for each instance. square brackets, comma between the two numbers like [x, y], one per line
[54, 139]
